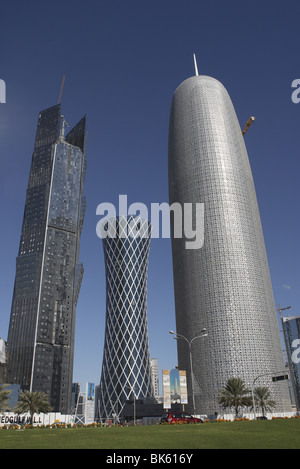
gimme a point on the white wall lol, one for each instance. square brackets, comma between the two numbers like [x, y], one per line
[9, 418]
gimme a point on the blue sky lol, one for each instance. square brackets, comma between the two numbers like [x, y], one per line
[123, 61]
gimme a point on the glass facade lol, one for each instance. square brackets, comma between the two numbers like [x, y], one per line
[126, 361]
[291, 330]
[225, 286]
[48, 273]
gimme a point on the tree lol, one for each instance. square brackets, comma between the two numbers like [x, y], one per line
[262, 399]
[32, 402]
[235, 394]
[4, 395]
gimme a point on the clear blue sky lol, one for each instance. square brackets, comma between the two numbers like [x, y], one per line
[123, 61]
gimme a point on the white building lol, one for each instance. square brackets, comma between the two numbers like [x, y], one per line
[2, 351]
[154, 376]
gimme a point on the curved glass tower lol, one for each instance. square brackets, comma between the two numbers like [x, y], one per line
[225, 286]
[126, 360]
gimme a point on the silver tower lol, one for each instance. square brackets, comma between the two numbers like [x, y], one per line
[126, 359]
[225, 286]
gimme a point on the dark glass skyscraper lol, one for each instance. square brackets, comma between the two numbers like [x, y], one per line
[126, 359]
[48, 273]
[225, 285]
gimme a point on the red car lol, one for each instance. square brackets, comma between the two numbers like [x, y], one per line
[174, 417]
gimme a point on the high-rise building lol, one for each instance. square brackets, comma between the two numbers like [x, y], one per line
[75, 397]
[126, 359]
[84, 403]
[48, 273]
[291, 330]
[225, 285]
[2, 360]
[154, 376]
[2, 351]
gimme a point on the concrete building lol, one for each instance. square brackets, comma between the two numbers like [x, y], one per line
[154, 376]
[225, 285]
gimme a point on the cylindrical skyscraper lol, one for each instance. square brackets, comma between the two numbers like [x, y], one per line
[126, 359]
[224, 286]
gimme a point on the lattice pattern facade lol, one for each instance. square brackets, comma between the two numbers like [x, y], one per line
[126, 360]
[225, 286]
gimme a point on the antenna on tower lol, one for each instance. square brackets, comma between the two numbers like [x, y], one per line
[61, 88]
[62, 132]
[196, 68]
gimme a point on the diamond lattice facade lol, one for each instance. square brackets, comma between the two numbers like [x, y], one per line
[126, 361]
[225, 286]
[48, 273]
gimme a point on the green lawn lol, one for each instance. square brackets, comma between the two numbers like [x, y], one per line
[281, 434]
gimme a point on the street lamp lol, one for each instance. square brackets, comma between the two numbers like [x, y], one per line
[282, 309]
[202, 333]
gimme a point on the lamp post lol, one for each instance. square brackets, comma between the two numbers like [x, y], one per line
[202, 333]
[279, 309]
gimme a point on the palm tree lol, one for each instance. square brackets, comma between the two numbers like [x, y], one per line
[4, 395]
[235, 394]
[32, 402]
[262, 397]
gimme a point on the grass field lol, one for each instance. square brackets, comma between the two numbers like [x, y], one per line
[275, 434]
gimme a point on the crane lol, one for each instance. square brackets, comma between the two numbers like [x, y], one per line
[249, 122]
[61, 88]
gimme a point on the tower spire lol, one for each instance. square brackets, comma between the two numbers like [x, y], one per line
[196, 68]
[64, 123]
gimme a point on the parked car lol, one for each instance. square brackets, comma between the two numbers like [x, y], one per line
[174, 417]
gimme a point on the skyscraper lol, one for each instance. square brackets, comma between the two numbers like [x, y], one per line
[224, 286]
[48, 273]
[291, 330]
[126, 359]
[154, 376]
